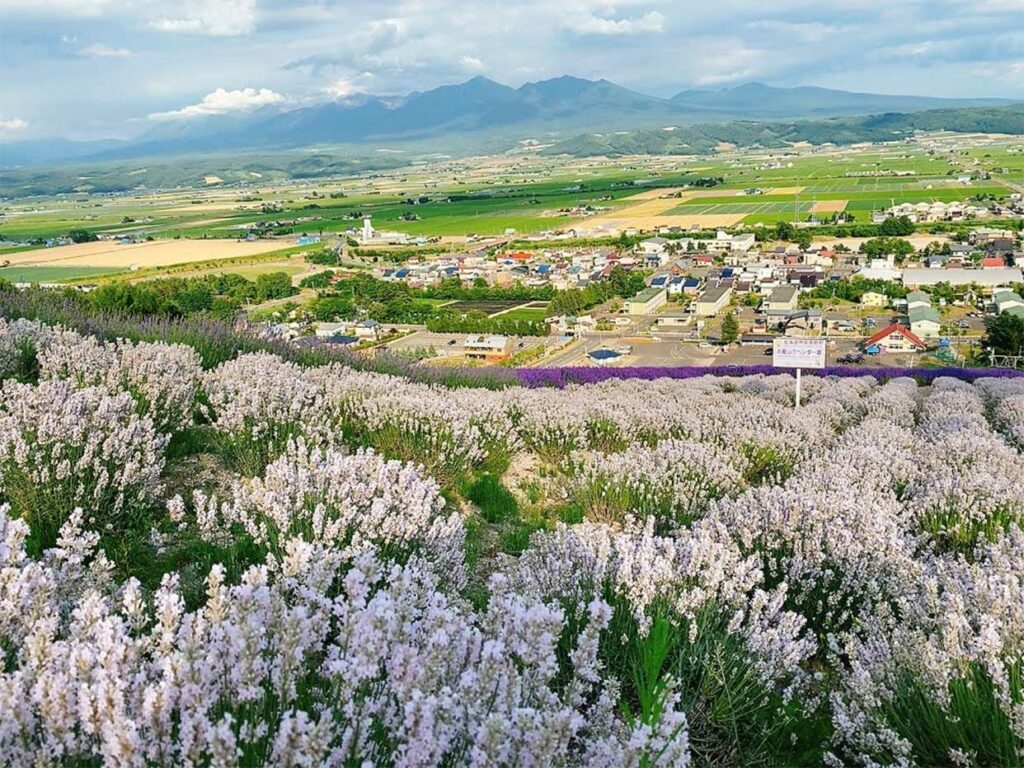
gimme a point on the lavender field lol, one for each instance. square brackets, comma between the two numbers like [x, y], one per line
[251, 562]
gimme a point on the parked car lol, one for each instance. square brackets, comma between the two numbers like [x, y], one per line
[769, 351]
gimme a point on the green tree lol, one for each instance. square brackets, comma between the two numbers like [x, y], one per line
[275, 285]
[730, 329]
[899, 225]
[82, 236]
[1004, 334]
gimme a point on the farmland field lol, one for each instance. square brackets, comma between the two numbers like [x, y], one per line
[267, 544]
[510, 197]
[32, 274]
[158, 253]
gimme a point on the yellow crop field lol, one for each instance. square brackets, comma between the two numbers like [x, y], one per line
[158, 253]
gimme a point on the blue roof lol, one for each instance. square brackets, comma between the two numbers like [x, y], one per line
[727, 272]
[343, 339]
[659, 281]
[691, 282]
[543, 268]
[604, 354]
[401, 273]
[450, 270]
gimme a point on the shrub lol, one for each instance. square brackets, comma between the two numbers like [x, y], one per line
[62, 448]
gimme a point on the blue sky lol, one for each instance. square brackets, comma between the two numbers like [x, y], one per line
[99, 68]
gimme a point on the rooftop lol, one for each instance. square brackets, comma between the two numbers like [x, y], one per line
[647, 294]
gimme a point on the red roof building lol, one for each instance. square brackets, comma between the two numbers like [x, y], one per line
[993, 262]
[895, 338]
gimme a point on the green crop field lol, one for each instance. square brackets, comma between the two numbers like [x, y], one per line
[53, 274]
[524, 314]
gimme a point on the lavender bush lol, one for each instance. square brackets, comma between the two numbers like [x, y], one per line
[686, 568]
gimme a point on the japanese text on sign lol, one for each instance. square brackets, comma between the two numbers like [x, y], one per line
[798, 353]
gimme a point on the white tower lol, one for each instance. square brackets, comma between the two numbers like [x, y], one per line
[367, 229]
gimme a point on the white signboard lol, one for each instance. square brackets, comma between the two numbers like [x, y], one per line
[798, 353]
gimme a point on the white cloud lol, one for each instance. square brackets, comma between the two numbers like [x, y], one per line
[802, 31]
[341, 88]
[14, 124]
[217, 18]
[1008, 72]
[99, 50]
[221, 102]
[471, 63]
[651, 22]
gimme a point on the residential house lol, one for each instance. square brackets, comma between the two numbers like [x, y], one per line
[1005, 300]
[368, 329]
[781, 299]
[918, 299]
[894, 338]
[924, 321]
[874, 299]
[654, 246]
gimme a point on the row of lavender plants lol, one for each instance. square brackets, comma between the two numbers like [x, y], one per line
[266, 563]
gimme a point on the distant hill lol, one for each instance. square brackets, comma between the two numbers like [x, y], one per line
[700, 139]
[809, 101]
[474, 115]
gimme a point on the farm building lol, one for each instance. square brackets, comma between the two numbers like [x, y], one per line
[894, 338]
[647, 302]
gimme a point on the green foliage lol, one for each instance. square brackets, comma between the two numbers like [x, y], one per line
[317, 280]
[219, 295]
[734, 719]
[898, 225]
[621, 282]
[496, 502]
[476, 322]
[886, 246]
[973, 722]
[730, 328]
[82, 236]
[327, 257]
[854, 288]
[1004, 334]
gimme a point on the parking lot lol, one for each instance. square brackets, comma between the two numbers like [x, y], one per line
[445, 344]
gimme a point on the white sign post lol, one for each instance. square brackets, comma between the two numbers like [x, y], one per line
[798, 353]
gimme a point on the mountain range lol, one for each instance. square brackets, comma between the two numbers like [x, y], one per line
[477, 114]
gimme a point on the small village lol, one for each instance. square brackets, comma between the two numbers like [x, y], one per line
[712, 299]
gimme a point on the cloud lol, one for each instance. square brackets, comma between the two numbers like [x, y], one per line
[590, 24]
[342, 88]
[14, 124]
[471, 63]
[217, 18]
[99, 50]
[221, 102]
[802, 31]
